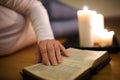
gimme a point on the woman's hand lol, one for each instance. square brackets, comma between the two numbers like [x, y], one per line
[50, 52]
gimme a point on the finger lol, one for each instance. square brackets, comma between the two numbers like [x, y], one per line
[58, 53]
[51, 53]
[64, 50]
[44, 54]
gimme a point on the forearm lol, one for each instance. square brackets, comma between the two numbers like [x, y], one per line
[34, 10]
[50, 50]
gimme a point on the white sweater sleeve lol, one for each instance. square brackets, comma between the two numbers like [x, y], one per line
[34, 10]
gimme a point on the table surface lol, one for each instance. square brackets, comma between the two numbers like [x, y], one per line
[10, 66]
[110, 71]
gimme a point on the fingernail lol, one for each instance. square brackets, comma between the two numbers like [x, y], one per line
[60, 61]
[48, 64]
[55, 64]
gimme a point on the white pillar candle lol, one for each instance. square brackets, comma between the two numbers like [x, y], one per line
[100, 21]
[85, 27]
[97, 22]
[105, 38]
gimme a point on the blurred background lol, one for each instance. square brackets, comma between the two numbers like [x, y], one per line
[109, 8]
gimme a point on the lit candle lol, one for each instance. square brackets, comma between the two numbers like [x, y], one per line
[85, 27]
[105, 38]
[100, 21]
[97, 22]
[91, 29]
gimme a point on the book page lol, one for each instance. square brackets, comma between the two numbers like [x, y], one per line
[78, 62]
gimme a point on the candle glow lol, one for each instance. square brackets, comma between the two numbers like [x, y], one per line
[104, 38]
[91, 29]
[85, 8]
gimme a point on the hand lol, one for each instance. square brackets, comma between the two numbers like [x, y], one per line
[50, 52]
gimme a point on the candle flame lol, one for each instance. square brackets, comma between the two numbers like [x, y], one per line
[85, 8]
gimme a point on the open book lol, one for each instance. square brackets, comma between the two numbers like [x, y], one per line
[79, 65]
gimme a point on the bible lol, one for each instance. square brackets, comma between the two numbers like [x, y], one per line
[79, 66]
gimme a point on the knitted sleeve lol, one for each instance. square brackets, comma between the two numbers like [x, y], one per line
[36, 12]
